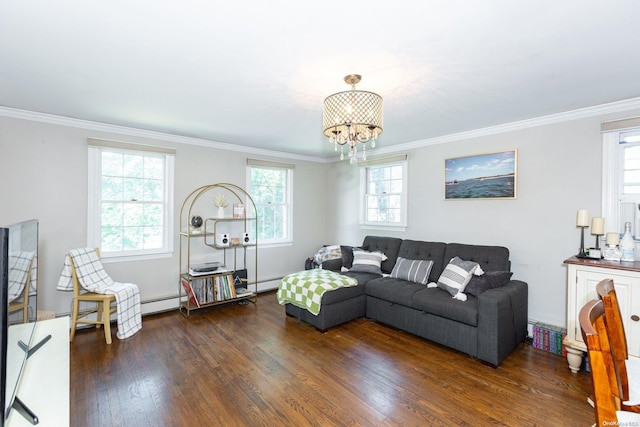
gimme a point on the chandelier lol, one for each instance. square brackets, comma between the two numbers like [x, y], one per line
[352, 117]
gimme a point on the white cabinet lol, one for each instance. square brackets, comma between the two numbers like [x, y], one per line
[583, 276]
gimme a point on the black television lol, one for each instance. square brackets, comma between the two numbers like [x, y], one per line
[18, 311]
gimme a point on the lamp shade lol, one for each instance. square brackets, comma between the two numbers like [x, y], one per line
[597, 226]
[583, 218]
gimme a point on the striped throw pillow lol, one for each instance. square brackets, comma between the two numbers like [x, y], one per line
[367, 262]
[412, 270]
[456, 276]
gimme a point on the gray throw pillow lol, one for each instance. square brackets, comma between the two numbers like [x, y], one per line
[489, 280]
[412, 270]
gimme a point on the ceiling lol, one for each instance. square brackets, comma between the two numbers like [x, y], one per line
[255, 73]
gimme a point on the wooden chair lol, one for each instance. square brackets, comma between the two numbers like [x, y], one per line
[22, 302]
[103, 308]
[604, 372]
[629, 369]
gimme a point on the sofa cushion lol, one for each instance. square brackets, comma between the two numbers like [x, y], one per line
[489, 280]
[456, 275]
[439, 302]
[412, 270]
[367, 262]
[396, 291]
[342, 294]
[414, 249]
[388, 246]
[490, 258]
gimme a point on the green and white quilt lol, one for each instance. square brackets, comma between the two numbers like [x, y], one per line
[305, 288]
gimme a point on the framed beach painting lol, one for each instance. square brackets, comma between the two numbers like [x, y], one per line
[482, 176]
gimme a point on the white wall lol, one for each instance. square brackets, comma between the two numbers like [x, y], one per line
[559, 172]
[43, 168]
[43, 171]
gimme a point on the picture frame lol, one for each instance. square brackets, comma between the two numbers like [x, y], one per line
[482, 176]
[238, 210]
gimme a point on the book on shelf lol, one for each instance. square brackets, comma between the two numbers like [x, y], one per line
[190, 294]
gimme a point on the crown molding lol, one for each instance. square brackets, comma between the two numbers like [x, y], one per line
[161, 136]
[581, 113]
[611, 107]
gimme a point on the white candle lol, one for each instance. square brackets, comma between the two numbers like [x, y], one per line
[583, 218]
[597, 226]
[613, 239]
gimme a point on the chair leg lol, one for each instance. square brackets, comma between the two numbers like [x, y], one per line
[74, 319]
[107, 322]
[100, 314]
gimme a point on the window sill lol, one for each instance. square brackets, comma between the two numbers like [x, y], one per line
[402, 227]
[107, 259]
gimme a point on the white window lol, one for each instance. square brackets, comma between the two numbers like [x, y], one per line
[130, 201]
[621, 180]
[384, 193]
[270, 186]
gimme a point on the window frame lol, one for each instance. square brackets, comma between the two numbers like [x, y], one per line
[404, 195]
[288, 225]
[613, 179]
[94, 199]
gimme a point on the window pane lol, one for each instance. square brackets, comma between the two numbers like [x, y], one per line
[395, 186]
[133, 166]
[154, 168]
[152, 190]
[111, 215]
[111, 240]
[111, 164]
[133, 238]
[112, 188]
[133, 189]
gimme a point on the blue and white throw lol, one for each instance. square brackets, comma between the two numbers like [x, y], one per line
[94, 278]
[305, 288]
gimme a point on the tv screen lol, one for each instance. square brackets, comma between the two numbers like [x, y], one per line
[18, 305]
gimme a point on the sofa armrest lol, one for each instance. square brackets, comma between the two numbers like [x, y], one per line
[502, 320]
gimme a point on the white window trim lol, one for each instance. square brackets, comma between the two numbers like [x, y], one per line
[612, 173]
[262, 164]
[95, 147]
[402, 225]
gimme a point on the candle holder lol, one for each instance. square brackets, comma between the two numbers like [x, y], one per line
[582, 253]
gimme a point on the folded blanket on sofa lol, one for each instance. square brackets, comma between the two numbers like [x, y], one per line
[305, 288]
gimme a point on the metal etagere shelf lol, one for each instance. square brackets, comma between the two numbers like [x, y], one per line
[232, 280]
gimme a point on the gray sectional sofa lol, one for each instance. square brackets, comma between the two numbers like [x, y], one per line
[488, 326]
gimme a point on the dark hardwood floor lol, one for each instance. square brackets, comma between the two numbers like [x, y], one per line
[250, 365]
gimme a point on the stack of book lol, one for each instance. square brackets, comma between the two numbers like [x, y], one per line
[549, 338]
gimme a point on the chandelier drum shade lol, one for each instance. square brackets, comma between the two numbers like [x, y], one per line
[352, 117]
